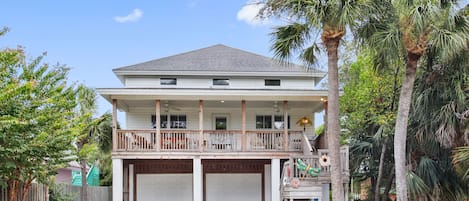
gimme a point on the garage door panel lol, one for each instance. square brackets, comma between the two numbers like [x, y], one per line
[233, 187]
[164, 187]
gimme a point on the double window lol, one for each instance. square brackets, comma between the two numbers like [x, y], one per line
[265, 122]
[170, 121]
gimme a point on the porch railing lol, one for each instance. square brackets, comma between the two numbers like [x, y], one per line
[212, 140]
[315, 167]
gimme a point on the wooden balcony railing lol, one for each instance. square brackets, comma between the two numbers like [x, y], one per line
[212, 141]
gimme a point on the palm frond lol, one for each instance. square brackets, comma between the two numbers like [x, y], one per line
[289, 39]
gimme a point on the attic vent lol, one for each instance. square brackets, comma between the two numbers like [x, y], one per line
[168, 81]
[221, 82]
[272, 82]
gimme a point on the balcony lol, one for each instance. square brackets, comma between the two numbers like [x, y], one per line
[211, 141]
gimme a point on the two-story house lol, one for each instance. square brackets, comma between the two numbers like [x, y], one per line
[218, 123]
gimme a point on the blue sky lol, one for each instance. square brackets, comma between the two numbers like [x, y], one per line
[93, 37]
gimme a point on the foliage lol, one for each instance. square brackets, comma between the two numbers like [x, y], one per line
[37, 125]
[442, 93]
[311, 22]
[95, 134]
[368, 111]
[409, 31]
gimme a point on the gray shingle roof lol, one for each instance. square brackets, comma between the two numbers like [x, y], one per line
[218, 58]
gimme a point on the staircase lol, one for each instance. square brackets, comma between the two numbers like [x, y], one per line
[307, 176]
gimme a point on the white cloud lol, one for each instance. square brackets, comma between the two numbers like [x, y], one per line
[132, 17]
[248, 13]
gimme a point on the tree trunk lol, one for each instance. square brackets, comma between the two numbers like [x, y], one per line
[332, 45]
[26, 190]
[380, 169]
[388, 186]
[12, 190]
[84, 185]
[400, 135]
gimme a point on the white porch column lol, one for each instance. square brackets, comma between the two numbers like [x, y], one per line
[117, 179]
[131, 182]
[158, 124]
[197, 179]
[285, 125]
[275, 179]
[201, 126]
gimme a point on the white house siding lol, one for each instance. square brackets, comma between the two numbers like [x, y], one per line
[164, 187]
[233, 187]
[206, 82]
[140, 118]
[144, 82]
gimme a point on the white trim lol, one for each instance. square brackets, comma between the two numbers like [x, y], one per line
[197, 179]
[275, 179]
[131, 181]
[211, 94]
[222, 73]
[117, 179]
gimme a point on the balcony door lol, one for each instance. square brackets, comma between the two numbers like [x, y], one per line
[220, 122]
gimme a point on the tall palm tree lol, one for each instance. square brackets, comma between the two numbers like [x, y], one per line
[329, 19]
[407, 30]
[92, 134]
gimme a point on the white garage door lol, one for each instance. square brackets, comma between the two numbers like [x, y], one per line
[233, 187]
[164, 187]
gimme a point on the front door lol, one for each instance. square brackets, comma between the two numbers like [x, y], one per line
[221, 123]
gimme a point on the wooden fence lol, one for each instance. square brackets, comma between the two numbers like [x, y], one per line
[95, 193]
[40, 192]
[37, 192]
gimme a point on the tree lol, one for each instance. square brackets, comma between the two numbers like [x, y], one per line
[407, 30]
[368, 109]
[442, 93]
[329, 19]
[36, 121]
[92, 135]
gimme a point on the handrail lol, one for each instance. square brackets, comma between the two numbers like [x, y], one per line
[307, 148]
[207, 140]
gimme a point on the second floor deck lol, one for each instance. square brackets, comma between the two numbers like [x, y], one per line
[221, 143]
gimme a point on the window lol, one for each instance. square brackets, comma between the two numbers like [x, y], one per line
[263, 121]
[272, 82]
[278, 121]
[221, 82]
[176, 121]
[168, 81]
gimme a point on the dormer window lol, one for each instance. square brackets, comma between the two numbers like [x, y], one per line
[168, 81]
[221, 82]
[272, 82]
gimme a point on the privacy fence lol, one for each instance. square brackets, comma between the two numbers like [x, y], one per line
[40, 192]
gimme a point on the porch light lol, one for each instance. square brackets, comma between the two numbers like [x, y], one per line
[222, 101]
[304, 121]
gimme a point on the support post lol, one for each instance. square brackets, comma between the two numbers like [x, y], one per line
[275, 179]
[197, 178]
[131, 182]
[114, 124]
[117, 179]
[158, 125]
[201, 125]
[243, 125]
[285, 125]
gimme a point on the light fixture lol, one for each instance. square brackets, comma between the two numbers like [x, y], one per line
[222, 101]
[276, 109]
[304, 121]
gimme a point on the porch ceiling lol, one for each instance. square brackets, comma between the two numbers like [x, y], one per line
[183, 97]
[182, 104]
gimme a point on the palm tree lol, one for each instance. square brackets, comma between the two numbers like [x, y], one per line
[93, 132]
[329, 19]
[408, 30]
